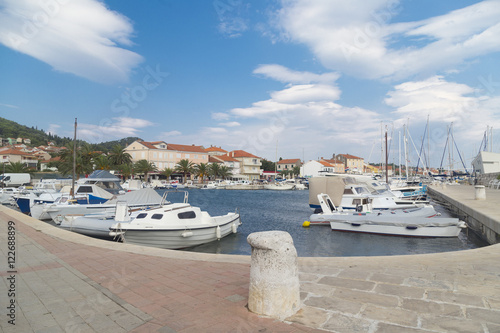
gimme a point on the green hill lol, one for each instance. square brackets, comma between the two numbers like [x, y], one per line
[38, 137]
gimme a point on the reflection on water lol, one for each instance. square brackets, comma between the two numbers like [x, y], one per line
[265, 210]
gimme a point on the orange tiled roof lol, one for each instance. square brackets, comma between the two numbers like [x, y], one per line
[188, 148]
[351, 156]
[216, 149]
[290, 161]
[226, 158]
[334, 161]
[11, 151]
[240, 153]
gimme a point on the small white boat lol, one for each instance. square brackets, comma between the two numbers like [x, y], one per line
[396, 222]
[175, 226]
[6, 194]
[279, 187]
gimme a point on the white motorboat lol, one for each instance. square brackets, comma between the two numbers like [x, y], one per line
[140, 199]
[279, 186]
[7, 193]
[97, 225]
[175, 226]
[396, 222]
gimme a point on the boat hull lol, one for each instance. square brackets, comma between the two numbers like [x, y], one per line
[181, 238]
[409, 230]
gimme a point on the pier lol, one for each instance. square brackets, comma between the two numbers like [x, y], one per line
[481, 215]
[64, 281]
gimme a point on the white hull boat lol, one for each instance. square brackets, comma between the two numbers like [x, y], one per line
[279, 187]
[175, 226]
[396, 223]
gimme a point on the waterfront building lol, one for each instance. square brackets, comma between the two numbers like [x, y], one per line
[165, 155]
[353, 164]
[10, 155]
[320, 168]
[288, 164]
[232, 163]
[249, 164]
[215, 151]
[486, 162]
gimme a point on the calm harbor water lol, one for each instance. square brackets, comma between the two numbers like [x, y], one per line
[264, 210]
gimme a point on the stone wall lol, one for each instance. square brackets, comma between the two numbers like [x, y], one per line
[485, 178]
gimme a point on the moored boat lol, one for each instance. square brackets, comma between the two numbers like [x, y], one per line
[397, 222]
[175, 226]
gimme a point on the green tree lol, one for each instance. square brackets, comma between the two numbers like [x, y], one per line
[202, 170]
[184, 166]
[225, 172]
[126, 170]
[167, 172]
[268, 165]
[144, 167]
[118, 156]
[17, 167]
[296, 171]
[102, 162]
[82, 165]
[214, 170]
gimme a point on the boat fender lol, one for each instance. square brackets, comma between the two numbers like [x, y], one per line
[306, 224]
[187, 234]
[217, 233]
[234, 228]
[359, 208]
[412, 227]
[356, 224]
[379, 213]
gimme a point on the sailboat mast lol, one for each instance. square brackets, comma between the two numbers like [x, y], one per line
[386, 160]
[74, 163]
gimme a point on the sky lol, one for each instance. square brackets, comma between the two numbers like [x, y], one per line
[277, 78]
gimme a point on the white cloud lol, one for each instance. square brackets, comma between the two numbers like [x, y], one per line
[171, 133]
[53, 129]
[283, 74]
[78, 37]
[9, 106]
[445, 102]
[220, 116]
[231, 124]
[111, 129]
[357, 38]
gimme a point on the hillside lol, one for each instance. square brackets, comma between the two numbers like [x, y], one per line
[38, 137]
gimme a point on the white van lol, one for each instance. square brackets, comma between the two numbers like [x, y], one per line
[14, 179]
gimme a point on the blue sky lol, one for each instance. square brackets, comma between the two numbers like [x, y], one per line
[305, 78]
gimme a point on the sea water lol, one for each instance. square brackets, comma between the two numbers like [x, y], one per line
[264, 210]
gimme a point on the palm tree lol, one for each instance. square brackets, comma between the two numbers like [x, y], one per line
[214, 170]
[102, 162]
[126, 170]
[118, 156]
[17, 167]
[185, 166]
[88, 155]
[225, 172]
[202, 170]
[145, 167]
[83, 165]
[167, 172]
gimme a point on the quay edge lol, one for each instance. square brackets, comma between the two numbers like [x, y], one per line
[481, 216]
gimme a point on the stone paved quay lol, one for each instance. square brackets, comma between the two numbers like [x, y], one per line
[65, 282]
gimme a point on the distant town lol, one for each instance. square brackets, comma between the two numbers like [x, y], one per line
[162, 155]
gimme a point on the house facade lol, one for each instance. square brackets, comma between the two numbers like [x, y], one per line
[288, 164]
[10, 155]
[231, 163]
[353, 164]
[249, 164]
[165, 155]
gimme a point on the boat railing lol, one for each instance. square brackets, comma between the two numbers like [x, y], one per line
[165, 194]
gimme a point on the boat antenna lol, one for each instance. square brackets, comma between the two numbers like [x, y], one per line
[74, 164]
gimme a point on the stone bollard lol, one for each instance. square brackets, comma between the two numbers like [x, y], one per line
[480, 193]
[274, 275]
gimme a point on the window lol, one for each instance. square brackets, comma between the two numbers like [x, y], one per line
[155, 155]
[160, 155]
[178, 155]
[195, 157]
[141, 215]
[157, 216]
[186, 155]
[204, 157]
[143, 155]
[84, 189]
[187, 215]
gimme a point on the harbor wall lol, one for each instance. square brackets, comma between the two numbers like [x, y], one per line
[487, 227]
[485, 178]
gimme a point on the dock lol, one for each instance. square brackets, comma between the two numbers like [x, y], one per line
[481, 216]
[66, 282]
